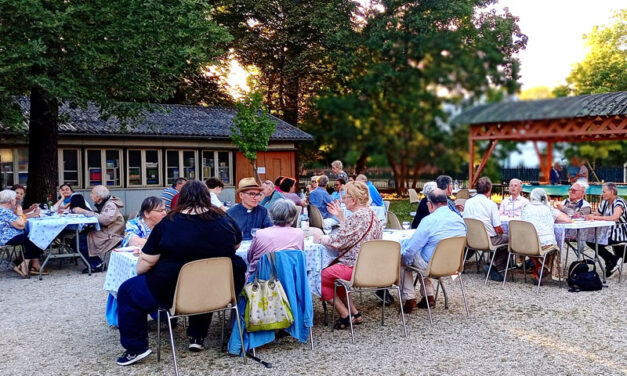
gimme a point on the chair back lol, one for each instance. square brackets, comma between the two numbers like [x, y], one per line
[523, 238]
[387, 205]
[413, 196]
[204, 285]
[447, 259]
[378, 264]
[393, 222]
[315, 217]
[299, 210]
[463, 193]
[477, 236]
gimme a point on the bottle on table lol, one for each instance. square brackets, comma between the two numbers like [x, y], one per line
[304, 220]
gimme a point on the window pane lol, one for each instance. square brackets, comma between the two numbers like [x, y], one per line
[134, 167]
[6, 167]
[70, 167]
[172, 157]
[189, 164]
[208, 165]
[22, 165]
[113, 167]
[224, 168]
[94, 167]
[152, 167]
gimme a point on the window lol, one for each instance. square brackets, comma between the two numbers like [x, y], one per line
[22, 166]
[103, 167]
[13, 166]
[143, 167]
[6, 167]
[180, 163]
[69, 167]
[218, 164]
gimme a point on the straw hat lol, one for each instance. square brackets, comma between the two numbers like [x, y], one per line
[247, 184]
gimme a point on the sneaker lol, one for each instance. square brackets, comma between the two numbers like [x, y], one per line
[129, 358]
[389, 299]
[423, 302]
[619, 262]
[494, 275]
[410, 305]
[196, 344]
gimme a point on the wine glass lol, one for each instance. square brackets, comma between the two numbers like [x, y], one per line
[253, 232]
[406, 225]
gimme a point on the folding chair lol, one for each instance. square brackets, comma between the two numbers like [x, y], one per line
[203, 286]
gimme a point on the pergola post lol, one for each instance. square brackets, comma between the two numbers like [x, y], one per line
[484, 161]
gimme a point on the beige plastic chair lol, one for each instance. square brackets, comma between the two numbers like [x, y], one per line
[296, 222]
[524, 241]
[463, 193]
[387, 205]
[203, 286]
[393, 222]
[477, 239]
[377, 268]
[447, 260]
[413, 199]
[315, 217]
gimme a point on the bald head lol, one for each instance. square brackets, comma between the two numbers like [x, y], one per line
[437, 198]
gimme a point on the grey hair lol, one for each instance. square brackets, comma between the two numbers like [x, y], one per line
[323, 181]
[583, 183]
[337, 164]
[437, 196]
[283, 212]
[7, 195]
[515, 180]
[101, 191]
[612, 187]
[361, 177]
[268, 183]
[539, 195]
[429, 187]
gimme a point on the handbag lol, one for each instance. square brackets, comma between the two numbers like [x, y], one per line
[346, 249]
[267, 306]
[583, 276]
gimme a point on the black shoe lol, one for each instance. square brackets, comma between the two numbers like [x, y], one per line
[129, 358]
[389, 299]
[196, 344]
[94, 269]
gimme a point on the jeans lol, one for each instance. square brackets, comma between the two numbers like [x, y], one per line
[135, 302]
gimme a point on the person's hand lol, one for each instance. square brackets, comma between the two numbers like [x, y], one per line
[560, 207]
[18, 210]
[590, 217]
[334, 208]
[78, 210]
[317, 236]
[33, 207]
[577, 215]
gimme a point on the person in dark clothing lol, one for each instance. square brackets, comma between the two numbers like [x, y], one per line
[423, 208]
[193, 230]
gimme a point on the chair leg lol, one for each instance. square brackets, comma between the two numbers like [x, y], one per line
[350, 319]
[159, 335]
[222, 330]
[398, 289]
[424, 289]
[489, 268]
[176, 366]
[478, 263]
[333, 307]
[461, 284]
[311, 337]
[385, 292]
[241, 333]
[509, 256]
[326, 313]
[437, 290]
[541, 271]
[620, 267]
[441, 283]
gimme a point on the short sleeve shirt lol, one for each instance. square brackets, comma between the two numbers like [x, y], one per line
[482, 208]
[618, 231]
[8, 232]
[135, 227]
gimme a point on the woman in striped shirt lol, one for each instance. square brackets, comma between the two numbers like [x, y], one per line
[612, 208]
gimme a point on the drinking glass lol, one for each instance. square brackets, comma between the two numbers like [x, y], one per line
[253, 231]
[406, 225]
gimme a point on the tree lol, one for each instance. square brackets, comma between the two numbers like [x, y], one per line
[120, 55]
[293, 44]
[252, 128]
[412, 58]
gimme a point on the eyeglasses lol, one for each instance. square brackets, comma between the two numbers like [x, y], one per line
[575, 190]
[253, 194]
[159, 210]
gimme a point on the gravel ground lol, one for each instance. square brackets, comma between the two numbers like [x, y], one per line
[57, 327]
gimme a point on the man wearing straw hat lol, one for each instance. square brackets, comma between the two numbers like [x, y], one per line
[249, 214]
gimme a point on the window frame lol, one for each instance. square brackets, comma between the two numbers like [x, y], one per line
[103, 167]
[216, 167]
[144, 167]
[62, 167]
[180, 164]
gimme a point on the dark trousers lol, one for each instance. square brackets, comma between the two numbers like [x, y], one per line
[135, 302]
[94, 261]
[610, 258]
[31, 251]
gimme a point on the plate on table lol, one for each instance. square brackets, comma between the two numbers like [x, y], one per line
[578, 219]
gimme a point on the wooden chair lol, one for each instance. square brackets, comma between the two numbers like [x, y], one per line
[393, 222]
[377, 268]
[203, 286]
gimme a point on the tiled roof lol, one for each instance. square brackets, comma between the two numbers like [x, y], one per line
[566, 107]
[167, 120]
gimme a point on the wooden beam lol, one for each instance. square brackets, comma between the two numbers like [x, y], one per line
[471, 162]
[484, 160]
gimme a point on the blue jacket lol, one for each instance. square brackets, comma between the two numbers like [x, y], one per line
[377, 200]
[319, 198]
[292, 272]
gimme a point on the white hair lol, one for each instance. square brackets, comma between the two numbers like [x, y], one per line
[101, 191]
[539, 195]
[514, 180]
[7, 195]
[583, 183]
[429, 187]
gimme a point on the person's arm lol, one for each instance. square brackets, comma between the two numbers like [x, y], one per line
[496, 219]
[146, 262]
[415, 244]
[150, 254]
[334, 208]
[106, 216]
[19, 222]
[136, 241]
[618, 211]
[562, 217]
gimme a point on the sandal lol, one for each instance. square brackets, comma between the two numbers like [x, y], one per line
[18, 270]
[34, 271]
[342, 323]
[357, 319]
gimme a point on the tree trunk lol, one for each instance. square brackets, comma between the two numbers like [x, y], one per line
[290, 111]
[360, 166]
[43, 137]
[255, 173]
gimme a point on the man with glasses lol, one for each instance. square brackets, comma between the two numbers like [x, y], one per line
[513, 205]
[249, 214]
[575, 205]
[338, 187]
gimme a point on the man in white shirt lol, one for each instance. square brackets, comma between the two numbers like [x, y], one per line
[482, 208]
[513, 205]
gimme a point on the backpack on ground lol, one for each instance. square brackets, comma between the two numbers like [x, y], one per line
[583, 276]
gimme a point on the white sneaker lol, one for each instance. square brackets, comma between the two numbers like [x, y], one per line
[619, 262]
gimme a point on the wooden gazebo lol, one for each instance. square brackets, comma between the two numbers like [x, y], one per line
[598, 117]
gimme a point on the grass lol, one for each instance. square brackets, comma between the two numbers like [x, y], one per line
[401, 209]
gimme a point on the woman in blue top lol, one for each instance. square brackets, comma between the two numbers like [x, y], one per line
[194, 230]
[138, 229]
[12, 232]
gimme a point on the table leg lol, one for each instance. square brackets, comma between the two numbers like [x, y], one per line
[41, 268]
[78, 249]
[596, 254]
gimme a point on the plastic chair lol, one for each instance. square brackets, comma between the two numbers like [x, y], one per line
[387, 205]
[296, 222]
[203, 286]
[447, 260]
[463, 193]
[477, 239]
[315, 217]
[413, 199]
[393, 222]
[524, 241]
[377, 268]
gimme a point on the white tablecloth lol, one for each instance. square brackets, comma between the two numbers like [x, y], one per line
[42, 231]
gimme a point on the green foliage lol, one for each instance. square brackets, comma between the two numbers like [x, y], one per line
[408, 60]
[252, 127]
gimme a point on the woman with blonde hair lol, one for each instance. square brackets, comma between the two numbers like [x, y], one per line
[361, 226]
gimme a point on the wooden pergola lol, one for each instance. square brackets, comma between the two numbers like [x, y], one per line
[599, 117]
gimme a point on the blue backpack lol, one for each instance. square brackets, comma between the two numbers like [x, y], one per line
[583, 276]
